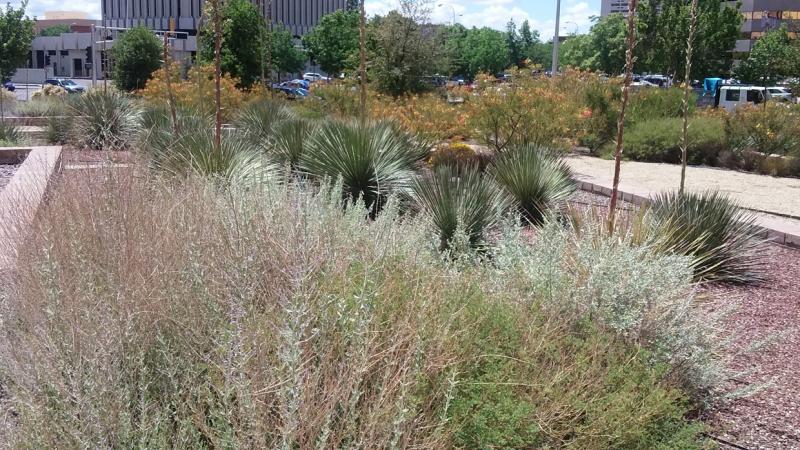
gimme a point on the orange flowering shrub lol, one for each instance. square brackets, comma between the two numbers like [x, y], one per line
[455, 154]
[426, 114]
[543, 111]
[196, 92]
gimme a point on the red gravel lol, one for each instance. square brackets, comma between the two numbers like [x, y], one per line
[770, 417]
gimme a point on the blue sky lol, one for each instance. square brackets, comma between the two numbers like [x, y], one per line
[575, 14]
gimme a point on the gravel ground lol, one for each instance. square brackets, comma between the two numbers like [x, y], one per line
[761, 192]
[6, 172]
[768, 314]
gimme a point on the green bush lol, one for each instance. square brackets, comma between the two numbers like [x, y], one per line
[278, 318]
[10, 135]
[650, 104]
[660, 140]
[137, 54]
[538, 180]
[771, 129]
[720, 238]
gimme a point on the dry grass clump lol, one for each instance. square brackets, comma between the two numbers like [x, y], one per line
[152, 313]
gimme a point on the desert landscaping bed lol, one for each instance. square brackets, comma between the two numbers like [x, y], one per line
[765, 342]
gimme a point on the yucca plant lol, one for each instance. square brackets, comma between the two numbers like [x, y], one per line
[193, 152]
[258, 119]
[537, 178]
[719, 237]
[454, 199]
[106, 119]
[373, 159]
[289, 140]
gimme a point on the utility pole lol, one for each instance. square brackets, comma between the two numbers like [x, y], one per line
[362, 70]
[94, 57]
[556, 38]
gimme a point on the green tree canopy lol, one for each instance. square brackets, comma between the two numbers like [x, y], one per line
[664, 29]
[486, 50]
[16, 34]
[137, 54]
[242, 49]
[55, 30]
[514, 44]
[602, 49]
[333, 43]
[402, 52]
[774, 57]
[286, 57]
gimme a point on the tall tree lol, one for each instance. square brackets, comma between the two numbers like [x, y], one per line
[514, 44]
[16, 34]
[774, 57]
[286, 57]
[404, 48]
[334, 41]
[453, 40]
[630, 47]
[664, 25]
[486, 50]
[137, 54]
[527, 38]
[362, 61]
[241, 22]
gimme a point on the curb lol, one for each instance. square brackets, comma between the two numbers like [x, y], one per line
[21, 198]
[770, 234]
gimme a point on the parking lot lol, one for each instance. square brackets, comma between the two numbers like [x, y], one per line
[25, 91]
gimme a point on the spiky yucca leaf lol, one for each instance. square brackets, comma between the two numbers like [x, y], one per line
[105, 119]
[258, 120]
[537, 178]
[457, 199]
[372, 159]
[192, 152]
[289, 140]
[720, 237]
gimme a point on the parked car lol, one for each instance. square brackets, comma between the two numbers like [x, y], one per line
[779, 93]
[304, 84]
[290, 92]
[68, 85]
[313, 76]
[9, 86]
[732, 97]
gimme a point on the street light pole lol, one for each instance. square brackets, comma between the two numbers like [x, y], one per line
[453, 8]
[555, 38]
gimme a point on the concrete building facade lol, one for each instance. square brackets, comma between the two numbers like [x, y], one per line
[760, 16]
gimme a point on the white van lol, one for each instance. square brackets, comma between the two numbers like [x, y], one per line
[732, 97]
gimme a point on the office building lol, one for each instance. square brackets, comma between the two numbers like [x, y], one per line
[299, 16]
[760, 16]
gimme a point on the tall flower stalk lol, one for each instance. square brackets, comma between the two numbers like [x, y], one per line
[630, 45]
[217, 19]
[362, 69]
[687, 89]
[168, 83]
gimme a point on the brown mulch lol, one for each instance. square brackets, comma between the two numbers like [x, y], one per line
[768, 315]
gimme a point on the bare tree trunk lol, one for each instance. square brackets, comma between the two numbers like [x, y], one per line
[630, 44]
[217, 13]
[687, 89]
[168, 81]
[362, 69]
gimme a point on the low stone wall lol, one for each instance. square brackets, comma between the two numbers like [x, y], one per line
[22, 197]
[783, 237]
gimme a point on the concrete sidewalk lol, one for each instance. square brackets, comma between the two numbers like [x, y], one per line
[774, 197]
